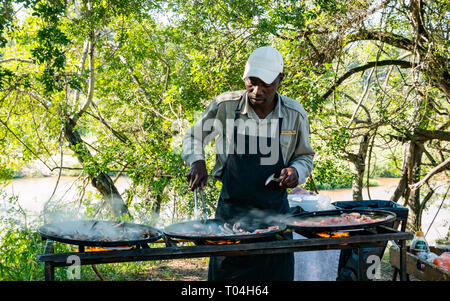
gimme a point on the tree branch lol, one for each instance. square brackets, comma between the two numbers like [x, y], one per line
[90, 94]
[401, 63]
[441, 167]
[142, 88]
[435, 134]
[366, 89]
[117, 134]
[386, 37]
[24, 144]
[17, 60]
[84, 53]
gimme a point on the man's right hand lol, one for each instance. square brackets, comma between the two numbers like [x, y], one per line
[198, 175]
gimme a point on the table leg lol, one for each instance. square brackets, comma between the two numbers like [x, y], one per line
[403, 275]
[394, 274]
[360, 264]
[49, 268]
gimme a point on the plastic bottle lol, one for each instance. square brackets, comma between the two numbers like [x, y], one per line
[420, 248]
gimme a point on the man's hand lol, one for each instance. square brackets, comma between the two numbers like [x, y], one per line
[198, 175]
[289, 177]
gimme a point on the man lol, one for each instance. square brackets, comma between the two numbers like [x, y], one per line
[259, 133]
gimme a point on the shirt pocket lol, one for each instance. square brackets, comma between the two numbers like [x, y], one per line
[286, 139]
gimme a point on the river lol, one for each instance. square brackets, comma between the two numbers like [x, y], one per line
[32, 193]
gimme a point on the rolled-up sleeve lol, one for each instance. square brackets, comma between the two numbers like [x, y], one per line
[200, 134]
[302, 158]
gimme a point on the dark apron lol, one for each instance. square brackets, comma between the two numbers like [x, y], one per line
[243, 193]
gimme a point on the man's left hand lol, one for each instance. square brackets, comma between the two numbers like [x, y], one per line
[289, 177]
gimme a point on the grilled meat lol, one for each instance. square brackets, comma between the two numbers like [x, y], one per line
[345, 219]
[225, 230]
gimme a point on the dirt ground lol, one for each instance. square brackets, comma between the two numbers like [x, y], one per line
[191, 269]
[196, 269]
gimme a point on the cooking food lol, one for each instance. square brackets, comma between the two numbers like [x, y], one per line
[100, 231]
[345, 219]
[224, 230]
[218, 231]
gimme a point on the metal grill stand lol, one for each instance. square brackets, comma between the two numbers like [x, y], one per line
[378, 238]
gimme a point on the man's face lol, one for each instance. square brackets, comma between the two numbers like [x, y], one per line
[259, 92]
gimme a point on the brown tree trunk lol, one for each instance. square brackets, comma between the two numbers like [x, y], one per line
[359, 161]
[413, 201]
[157, 205]
[410, 176]
[358, 185]
[100, 180]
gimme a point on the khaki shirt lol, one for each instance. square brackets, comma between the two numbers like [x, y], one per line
[217, 122]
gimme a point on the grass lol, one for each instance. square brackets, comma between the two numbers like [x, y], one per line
[19, 248]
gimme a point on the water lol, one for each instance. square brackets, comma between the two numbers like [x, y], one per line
[384, 191]
[33, 193]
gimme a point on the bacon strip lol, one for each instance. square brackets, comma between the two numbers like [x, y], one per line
[345, 219]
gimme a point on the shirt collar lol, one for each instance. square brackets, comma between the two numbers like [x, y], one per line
[276, 113]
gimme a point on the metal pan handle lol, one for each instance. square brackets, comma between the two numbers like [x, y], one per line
[204, 217]
[205, 212]
[196, 212]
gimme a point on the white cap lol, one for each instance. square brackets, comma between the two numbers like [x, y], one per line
[264, 63]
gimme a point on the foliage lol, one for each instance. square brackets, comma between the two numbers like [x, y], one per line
[20, 243]
[330, 174]
[18, 255]
[132, 76]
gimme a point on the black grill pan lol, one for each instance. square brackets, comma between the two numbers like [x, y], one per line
[99, 233]
[389, 217]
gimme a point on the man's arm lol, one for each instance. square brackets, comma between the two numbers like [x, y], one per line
[195, 138]
[302, 159]
[301, 164]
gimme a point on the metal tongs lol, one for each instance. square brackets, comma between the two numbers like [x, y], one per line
[272, 178]
[197, 212]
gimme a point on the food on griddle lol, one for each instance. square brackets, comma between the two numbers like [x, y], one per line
[224, 230]
[100, 231]
[345, 219]
[147, 234]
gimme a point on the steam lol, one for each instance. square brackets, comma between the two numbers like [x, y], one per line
[258, 216]
[76, 222]
[91, 230]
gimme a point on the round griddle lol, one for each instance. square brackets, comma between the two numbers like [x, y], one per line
[99, 233]
[387, 216]
[191, 230]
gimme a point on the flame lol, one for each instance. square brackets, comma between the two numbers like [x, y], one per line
[333, 234]
[222, 242]
[97, 249]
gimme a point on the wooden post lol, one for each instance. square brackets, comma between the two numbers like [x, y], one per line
[403, 276]
[49, 268]
[360, 264]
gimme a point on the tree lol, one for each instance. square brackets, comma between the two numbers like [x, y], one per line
[416, 30]
[60, 82]
[407, 54]
[120, 82]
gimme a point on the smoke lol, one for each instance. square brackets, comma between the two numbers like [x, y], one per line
[256, 218]
[12, 215]
[94, 230]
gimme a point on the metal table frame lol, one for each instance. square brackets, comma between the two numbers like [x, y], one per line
[172, 251]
